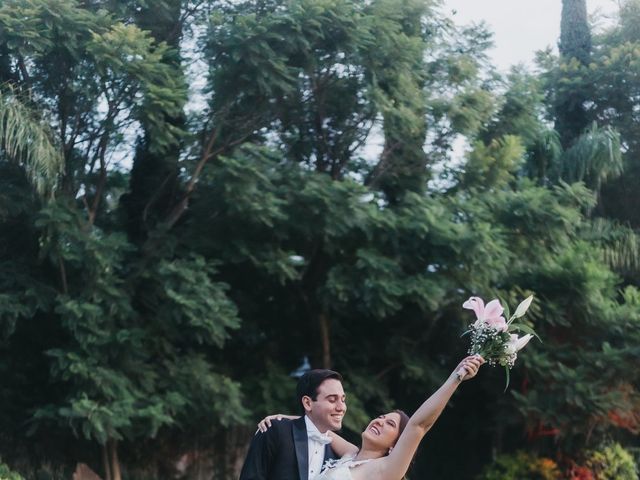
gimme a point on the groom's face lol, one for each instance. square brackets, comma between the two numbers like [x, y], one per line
[327, 410]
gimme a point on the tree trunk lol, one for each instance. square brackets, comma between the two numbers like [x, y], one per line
[325, 337]
[105, 462]
[154, 180]
[115, 464]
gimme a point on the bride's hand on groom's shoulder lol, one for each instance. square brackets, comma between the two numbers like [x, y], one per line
[265, 423]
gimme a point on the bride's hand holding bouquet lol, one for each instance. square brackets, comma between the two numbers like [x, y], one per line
[493, 337]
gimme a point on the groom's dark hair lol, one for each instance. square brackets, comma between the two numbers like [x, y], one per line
[310, 381]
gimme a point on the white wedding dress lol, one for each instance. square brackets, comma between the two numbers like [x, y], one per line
[339, 469]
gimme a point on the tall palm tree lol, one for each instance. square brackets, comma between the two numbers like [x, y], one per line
[620, 246]
[594, 158]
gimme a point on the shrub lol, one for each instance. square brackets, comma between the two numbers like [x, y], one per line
[521, 466]
[612, 462]
[578, 472]
[7, 474]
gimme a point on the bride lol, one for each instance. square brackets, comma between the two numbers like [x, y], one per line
[389, 441]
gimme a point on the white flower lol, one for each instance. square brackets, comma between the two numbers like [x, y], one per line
[516, 343]
[523, 307]
[522, 341]
[510, 348]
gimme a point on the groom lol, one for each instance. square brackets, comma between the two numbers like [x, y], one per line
[297, 449]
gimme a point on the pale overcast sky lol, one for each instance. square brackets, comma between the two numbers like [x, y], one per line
[520, 27]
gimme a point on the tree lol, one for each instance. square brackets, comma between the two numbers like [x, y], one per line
[614, 103]
[94, 76]
[154, 187]
[144, 305]
[575, 54]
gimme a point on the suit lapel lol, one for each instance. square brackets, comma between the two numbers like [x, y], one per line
[302, 447]
[329, 454]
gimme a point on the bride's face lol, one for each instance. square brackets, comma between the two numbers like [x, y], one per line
[383, 432]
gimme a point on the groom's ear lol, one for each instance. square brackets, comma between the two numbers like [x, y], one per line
[306, 403]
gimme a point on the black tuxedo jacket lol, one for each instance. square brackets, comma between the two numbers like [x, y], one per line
[280, 453]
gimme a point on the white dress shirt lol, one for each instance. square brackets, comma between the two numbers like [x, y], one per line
[316, 450]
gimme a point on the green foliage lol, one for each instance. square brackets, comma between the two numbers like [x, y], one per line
[621, 248]
[394, 62]
[521, 466]
[128, 58]
[612, 462]
[182, 295]
[575, 32]
[7, 474]
[92, 73]
[298, 72]
[27, 141]
[573, 89]
[118, 390]
[469, 110]
[495, 164]
[166, 291]
[594, 158]
[601, 90]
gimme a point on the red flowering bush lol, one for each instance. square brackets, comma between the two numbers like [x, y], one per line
[580, 473]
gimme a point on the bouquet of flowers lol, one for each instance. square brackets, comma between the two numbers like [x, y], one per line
[492, 336]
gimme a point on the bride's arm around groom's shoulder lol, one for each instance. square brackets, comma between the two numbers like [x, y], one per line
[339, 445]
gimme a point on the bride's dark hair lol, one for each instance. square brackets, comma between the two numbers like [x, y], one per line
[404, 419]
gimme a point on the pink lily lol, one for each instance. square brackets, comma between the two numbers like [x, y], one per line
[491, 314]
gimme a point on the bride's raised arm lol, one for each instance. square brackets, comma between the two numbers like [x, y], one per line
[396, 464]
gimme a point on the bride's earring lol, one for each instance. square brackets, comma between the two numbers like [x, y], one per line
[390, 448]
